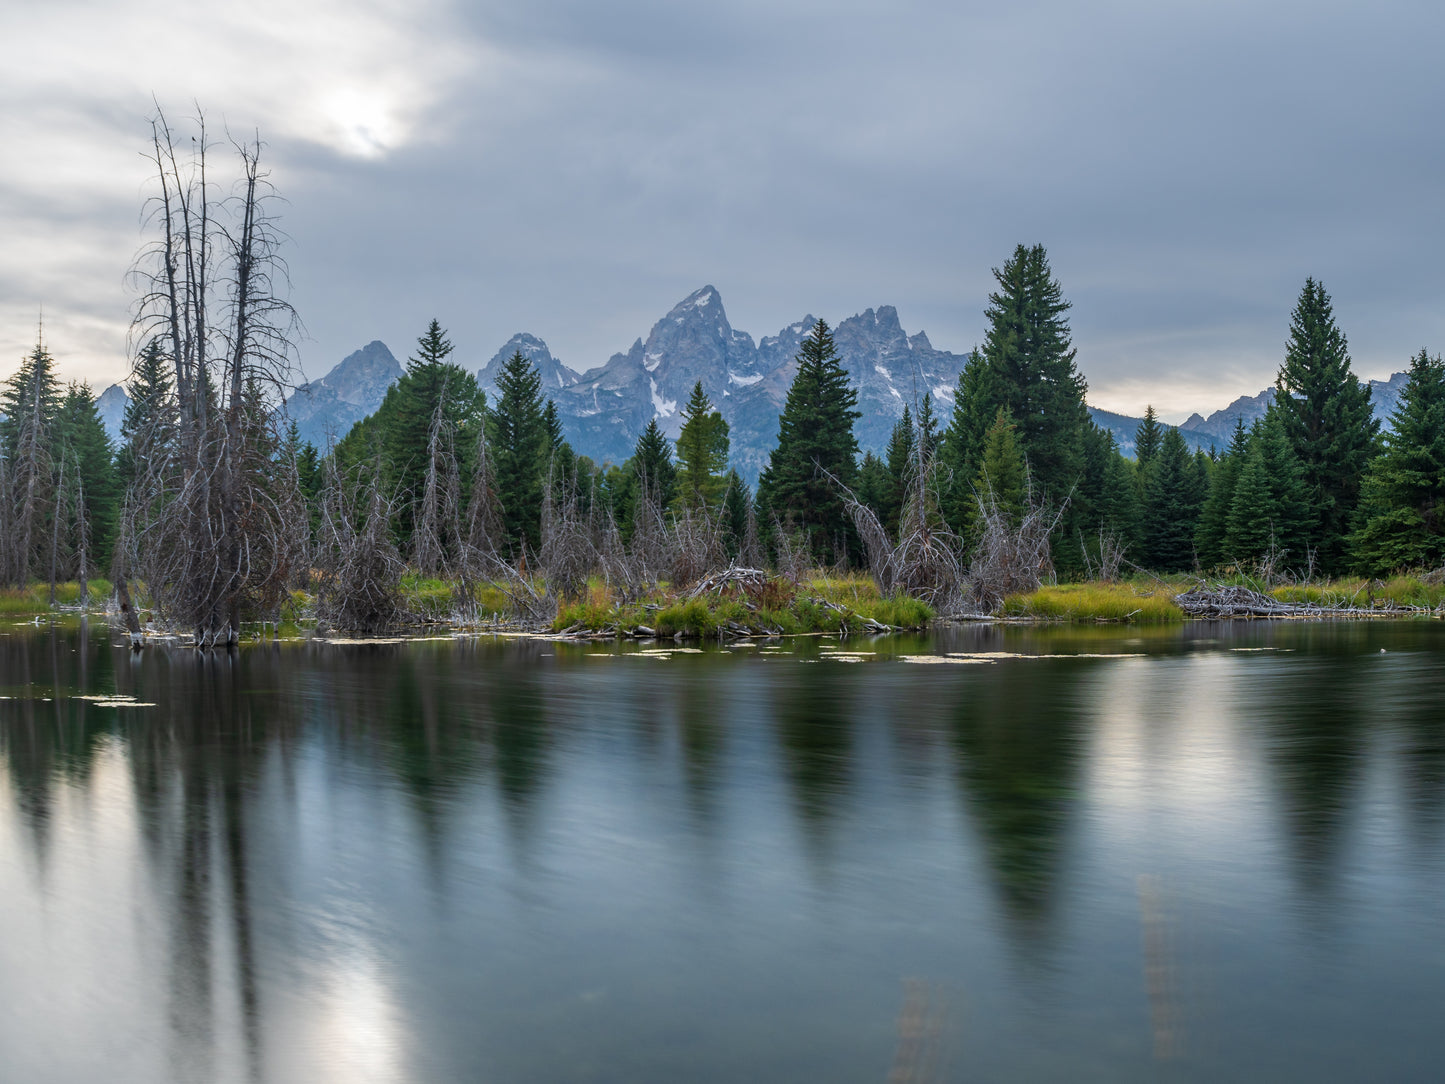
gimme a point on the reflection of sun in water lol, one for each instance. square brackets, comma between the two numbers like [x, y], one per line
[358, 1026]
[361, 120]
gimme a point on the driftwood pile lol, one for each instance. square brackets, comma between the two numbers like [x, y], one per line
[1237, 601]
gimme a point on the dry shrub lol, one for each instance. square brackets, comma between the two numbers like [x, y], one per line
[360, 568]
[1012, 556]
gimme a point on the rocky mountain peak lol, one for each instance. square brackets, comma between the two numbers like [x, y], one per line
[555, 375]
[324, 410]
[111, 408]
[361, 374]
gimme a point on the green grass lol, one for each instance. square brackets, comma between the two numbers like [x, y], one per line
[1153, 605]
[778, 607]
[35, 598]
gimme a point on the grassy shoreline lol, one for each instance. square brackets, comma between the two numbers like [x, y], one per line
[816, 605]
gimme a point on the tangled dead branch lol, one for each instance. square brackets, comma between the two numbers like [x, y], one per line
[1013, 555]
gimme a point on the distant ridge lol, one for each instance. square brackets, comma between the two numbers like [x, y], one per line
[604, 408]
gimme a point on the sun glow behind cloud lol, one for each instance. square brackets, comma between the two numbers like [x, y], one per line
[360, 79]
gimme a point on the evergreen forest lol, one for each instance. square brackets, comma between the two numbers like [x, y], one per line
[213, 506]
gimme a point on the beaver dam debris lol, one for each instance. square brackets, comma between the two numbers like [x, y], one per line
[1240, 601]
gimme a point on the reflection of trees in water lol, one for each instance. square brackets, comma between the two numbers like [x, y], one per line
[1018, 732]
[1315, 740]
[432, 719]
[703, 744]
[814, 728]
[47, 738]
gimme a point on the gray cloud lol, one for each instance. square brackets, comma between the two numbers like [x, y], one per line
[573, 169]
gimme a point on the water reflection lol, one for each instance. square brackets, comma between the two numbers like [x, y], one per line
[814, 728]
[1019, 746]
[452, 860]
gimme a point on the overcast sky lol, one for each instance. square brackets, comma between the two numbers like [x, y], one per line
[574, 168]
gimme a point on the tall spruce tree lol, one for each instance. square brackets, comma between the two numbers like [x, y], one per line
[1327, 419]
[34, 391]
[875, 485]
[148, 426]
[1002, 475]
[1213, 529]
[702, 453]
[1270, 513]
[1031, 358]
[961, 445]
[815, 440]
[1401, 518]
[737, 511]
[430, 392]
[902, 466]
[81, 435]
[1172, 498]
[521, 447]
[1148, 438]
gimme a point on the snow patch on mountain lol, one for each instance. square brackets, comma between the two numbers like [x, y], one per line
[664, 407]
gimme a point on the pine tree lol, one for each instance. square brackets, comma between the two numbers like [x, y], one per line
[521, 447]
[1118, 508]
[34, 390]
[1213, 529]
[1252, 513]
[82, 439]
[702, 453]
[928, 434]
[901, 467]
[1002, 478]
[737, 510]
[1327, 419]
[1172, 496]
[875, 485]
[1271, 510]
[961, 445]
[1401, 520]
[148, 426]
[1148, 438]
[432, 391]
[815, 441]
[1029, 351]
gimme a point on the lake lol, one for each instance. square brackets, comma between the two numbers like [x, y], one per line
[1209, 853]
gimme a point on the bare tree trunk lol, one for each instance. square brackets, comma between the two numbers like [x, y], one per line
[82, 535]
[211, 533]
[55, 530]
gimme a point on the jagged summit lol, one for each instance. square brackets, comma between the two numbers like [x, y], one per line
[111, 408]
[605, 408]
[325, 409]
[555, 375]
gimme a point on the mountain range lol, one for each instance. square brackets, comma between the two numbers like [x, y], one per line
[605, 408]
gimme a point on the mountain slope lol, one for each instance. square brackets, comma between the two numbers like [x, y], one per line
[324, 410]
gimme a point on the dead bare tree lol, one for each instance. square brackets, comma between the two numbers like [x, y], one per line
[1013, 555]
[699, 545]
[55, 521]
[437, 524]
[208, 536]
[1105, 558]
[485, 537]
[360, 567]
[82, 534]
[568, 553]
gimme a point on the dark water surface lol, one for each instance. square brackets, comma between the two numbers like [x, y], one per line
[1219, 858]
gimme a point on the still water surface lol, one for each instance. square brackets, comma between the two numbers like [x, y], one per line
[1215, 853]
